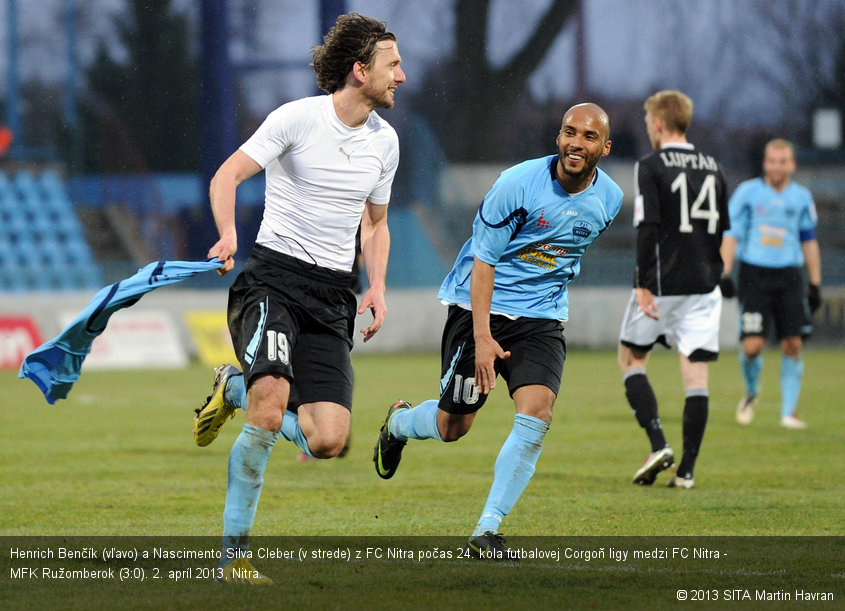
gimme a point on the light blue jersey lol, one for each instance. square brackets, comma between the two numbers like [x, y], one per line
[770, 225]
[534, 233]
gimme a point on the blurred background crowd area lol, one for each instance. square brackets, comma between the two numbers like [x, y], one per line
[114, 114]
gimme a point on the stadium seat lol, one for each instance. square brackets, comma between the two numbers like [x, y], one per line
[6, 250]
[78, 252]
[89, 277]
[16, 227]
[52, 254]
[42, 225]
[42, 241]
[11, 280]
[59, 203]
[51, 183]
[24, 182]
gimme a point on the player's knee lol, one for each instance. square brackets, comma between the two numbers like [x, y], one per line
[752, 346]
[327, 446]
[453, 431]
[452, 434]
[541, 412]
[629, 359]
[266, 416]
[791, 347]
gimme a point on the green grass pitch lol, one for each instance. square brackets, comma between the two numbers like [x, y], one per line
[117, 459]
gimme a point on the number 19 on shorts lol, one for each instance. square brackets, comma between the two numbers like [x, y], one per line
[277, 347]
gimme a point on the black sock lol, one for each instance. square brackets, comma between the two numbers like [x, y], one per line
[695, 421]
[642, 400]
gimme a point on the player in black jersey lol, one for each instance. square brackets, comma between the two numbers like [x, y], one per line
[680, 212]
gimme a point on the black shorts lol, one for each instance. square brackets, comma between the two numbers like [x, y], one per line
[537, 346]
[291, 318]
[773, 296]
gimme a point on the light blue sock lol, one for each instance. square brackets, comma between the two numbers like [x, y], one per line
[292, 432]
[419, 422]
[247, 462]
[513, 470]
[751, 370]
[235, 393]
[791, 374]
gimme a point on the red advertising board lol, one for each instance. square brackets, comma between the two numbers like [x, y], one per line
[18, 337]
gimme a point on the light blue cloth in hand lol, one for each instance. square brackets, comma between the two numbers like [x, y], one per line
[55, 365]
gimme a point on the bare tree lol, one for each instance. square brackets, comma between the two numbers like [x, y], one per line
[791, 53]
[469, 100]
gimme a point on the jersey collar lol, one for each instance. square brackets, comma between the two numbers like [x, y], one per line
[553, 172]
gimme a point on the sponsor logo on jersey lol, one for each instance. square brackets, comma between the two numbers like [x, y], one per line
[543, 223]
[541, 254]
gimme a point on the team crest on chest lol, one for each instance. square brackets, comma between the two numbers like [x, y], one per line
[581, 230]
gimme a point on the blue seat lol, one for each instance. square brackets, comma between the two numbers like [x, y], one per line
[9, 196]
[24, 182]
[42, 240]
[88, 276]
[17, 227]
[11, 280]
[15, 256]
[51, 183]
[8, 255]
[78, 252]
[27, 249]
[51, 254]
[59, 203]
[33, 274]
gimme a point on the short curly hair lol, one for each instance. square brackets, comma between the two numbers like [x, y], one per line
[352, 39]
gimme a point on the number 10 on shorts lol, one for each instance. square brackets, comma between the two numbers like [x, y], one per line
[465, 390]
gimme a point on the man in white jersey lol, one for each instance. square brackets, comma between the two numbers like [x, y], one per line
[329, 162]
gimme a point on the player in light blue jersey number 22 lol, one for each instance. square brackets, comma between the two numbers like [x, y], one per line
[507, 297]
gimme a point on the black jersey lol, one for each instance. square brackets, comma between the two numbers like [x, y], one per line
[681, 211]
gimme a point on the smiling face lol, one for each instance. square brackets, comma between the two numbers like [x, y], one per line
[383, 76]
[582, 141]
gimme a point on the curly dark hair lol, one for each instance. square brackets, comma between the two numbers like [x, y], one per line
[352, 39]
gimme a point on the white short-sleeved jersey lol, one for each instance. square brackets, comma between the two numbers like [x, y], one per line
[319, 173]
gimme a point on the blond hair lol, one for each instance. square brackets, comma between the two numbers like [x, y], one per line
[779, 143]
[673, 108]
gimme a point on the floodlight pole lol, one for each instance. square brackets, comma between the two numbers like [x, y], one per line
[70, 110]
[13, 118]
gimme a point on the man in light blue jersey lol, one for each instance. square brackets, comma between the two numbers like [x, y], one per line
[507, 298]
[773, 235]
